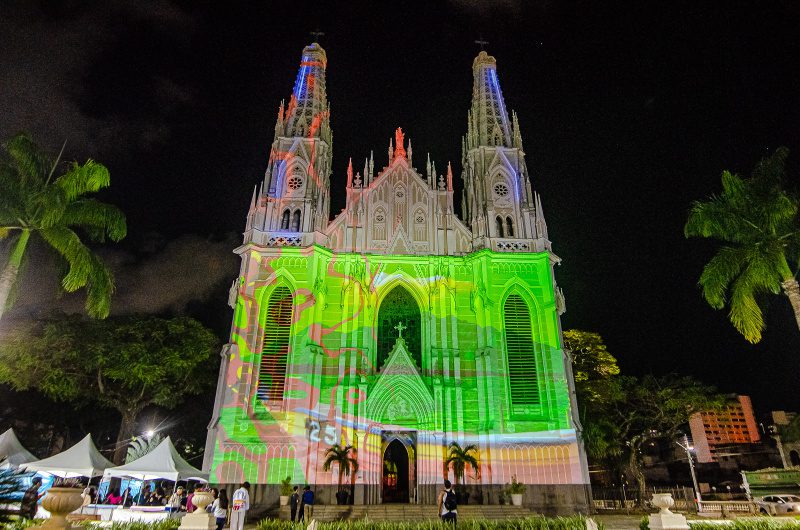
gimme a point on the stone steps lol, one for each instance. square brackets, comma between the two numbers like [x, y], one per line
[407, 512]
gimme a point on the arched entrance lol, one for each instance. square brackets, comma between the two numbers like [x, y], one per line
[395, 473]
[399, 306]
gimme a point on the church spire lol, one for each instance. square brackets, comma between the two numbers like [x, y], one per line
[307, 113]
[488, 114]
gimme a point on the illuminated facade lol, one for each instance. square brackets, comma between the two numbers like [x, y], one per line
[397, 328]
[713, 431]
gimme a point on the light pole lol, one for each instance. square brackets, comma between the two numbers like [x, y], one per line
[686, 447]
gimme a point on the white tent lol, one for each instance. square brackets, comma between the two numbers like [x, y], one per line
[162, 462]
[81, 460]
[12, 454]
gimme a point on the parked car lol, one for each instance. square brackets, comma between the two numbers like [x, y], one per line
[779, 504]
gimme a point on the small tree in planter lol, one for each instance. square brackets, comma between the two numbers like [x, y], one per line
[516, 490]
[286, 490]
[347, 464]
[459, 457]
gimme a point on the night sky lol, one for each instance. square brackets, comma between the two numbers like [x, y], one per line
[628, 113]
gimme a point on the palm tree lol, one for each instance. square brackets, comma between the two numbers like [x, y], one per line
[342, 456]
[757, 221]
[34, 201]
[459, 458]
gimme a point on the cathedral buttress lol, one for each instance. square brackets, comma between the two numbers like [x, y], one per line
[500, 207]
[292, 206]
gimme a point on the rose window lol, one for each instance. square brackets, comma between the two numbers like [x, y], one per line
[294, 183]
[379, 218]
[420, 218]
[501, 190]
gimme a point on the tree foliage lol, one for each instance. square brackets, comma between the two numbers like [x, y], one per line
[126, 363]
[343, 456]
[459, 458]
[595, 370]
[37, 199]
[757, 221]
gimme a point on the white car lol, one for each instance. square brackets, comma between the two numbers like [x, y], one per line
[779, 504]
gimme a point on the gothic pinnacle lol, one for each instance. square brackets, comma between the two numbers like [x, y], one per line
[350, 173]
[449, 177]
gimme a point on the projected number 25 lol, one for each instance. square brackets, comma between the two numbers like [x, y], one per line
[329, 434]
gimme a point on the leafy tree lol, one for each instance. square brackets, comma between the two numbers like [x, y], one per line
[125, 363]
[141, 445]
[459, 458]
[651, 408]
[342, 456]
[757, 221]
[37, 201]
[597, 389]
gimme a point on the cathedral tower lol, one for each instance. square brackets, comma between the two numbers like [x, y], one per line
[292, 205]
[499, 204]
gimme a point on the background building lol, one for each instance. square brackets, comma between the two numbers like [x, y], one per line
[714, 432]
[397, 328]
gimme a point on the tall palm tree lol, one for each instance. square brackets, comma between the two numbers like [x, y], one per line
[459, 457]
[342, 456]
[35, 200]
[757, 221]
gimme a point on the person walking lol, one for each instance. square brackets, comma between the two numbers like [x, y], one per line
[30, 500]
[220, 508]
[241, 503]
[447, 504]
[294, 502]
[308, 503]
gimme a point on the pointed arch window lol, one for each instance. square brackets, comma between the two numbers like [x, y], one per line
[285, 220]
[499, 226]
[522, 372]
[275, 350]
[509, 227]
[296, 221]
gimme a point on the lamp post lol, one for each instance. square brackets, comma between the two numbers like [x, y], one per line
[686, 447]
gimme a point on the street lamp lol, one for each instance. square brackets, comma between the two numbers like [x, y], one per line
[688, 448]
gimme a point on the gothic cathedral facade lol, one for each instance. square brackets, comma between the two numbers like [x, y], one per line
[397, 328]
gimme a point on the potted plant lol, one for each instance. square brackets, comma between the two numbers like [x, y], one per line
[516, 489]
[347, 464]
[286, 490]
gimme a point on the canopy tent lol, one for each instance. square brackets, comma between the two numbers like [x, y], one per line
[12, 453]
[163, 462]
[81, 460]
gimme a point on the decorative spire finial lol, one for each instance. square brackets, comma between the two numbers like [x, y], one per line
[400, 326]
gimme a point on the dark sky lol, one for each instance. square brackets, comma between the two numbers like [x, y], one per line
[628, 113]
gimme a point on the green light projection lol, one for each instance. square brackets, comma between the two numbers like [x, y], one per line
[349, 379]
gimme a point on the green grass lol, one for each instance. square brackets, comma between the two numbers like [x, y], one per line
[761, 523]
[527, 523]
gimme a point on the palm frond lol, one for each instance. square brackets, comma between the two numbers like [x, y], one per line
[719, 273]
[78, 256]
[759, 277]
[715, 218]
[97, 218]
[99, 288]
[81, 179]
[31, 164]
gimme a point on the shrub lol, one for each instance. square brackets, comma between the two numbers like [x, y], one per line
[576, 522]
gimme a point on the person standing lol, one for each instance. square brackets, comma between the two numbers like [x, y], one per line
[447, 504]
[220, 508]
[294, 502]
[308, 503]
[30, 500]
[241, 503]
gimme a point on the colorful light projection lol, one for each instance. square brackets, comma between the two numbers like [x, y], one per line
[473, 380]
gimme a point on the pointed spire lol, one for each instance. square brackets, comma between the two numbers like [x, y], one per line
[279, 121]
[366, 171]
[308, 106]
[391, 151]
[371, 165]
[409, 151]
[449, 177]
[488, 107]
[433, 175]
[515, 128]
[253, 200]
[350, 173]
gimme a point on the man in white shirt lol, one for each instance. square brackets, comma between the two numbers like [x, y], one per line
[447, 505]
[240, 504]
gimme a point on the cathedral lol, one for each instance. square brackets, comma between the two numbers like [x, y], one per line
[397, 328]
